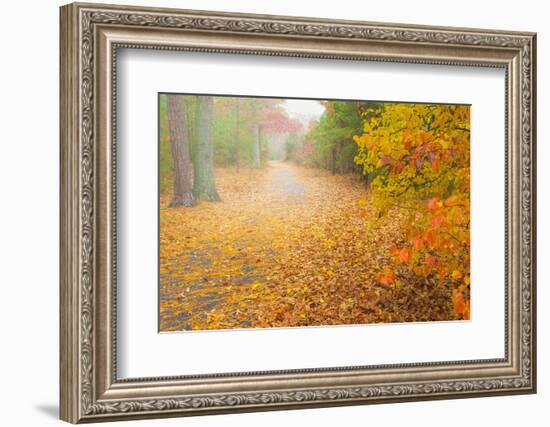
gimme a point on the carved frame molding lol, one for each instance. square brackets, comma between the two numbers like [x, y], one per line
[90, 37]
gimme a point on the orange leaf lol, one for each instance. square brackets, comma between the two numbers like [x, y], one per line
[435, 165]
[430, 237]
[438, 220]
[425, 136]
[432, 203]
[398, 167]
[451, 201]
[466, 312]
[404, 255]
[387, 276]
[458, 304]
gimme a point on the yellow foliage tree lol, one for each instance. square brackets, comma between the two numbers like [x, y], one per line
[418, 158]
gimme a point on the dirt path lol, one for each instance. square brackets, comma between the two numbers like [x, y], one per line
[283, 177]
[287, 246]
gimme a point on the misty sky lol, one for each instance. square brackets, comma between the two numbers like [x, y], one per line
[301, 108]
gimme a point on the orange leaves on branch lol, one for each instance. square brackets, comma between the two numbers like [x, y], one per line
[398, 167]
[418, 243]
[425, 136]
[430, 261]
[438, 220]
[429, 237]
[419, 158]
[402, 255]
[452, 201]
[433, 203]
[387, 276]
[461, 305]
[435, 164]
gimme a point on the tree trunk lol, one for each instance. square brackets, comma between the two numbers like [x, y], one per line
[205, 183]
[256, 148]
[333, 160]
[237, 136]
[179, 142]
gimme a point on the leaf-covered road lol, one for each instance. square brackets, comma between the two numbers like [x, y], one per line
[287, 246]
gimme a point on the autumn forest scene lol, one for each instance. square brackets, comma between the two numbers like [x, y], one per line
[281, 212]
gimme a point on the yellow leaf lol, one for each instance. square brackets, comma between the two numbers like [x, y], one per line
[456, 274]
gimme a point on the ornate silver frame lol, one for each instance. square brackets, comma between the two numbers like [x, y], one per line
[90, 36]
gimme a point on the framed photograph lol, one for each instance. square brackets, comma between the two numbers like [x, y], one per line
[266, 212]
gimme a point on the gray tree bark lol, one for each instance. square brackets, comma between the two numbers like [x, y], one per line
[256, 147]
[205, 183]
[237, 136]
[181, 160]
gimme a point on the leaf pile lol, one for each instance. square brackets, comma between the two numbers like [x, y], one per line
[291, 246]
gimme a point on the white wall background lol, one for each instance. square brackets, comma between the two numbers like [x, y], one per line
[29, 171]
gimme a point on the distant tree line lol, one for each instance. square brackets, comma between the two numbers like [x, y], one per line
[329, 142]
[198, 132]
